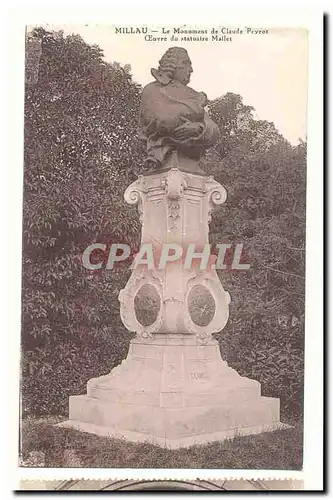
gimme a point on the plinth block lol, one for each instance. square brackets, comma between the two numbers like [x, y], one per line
[171, 391]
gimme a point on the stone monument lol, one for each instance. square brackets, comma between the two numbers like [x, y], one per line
[173, 388]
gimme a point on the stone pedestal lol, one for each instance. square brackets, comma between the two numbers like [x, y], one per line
[175, 207]
[171, 391]
[173, 388]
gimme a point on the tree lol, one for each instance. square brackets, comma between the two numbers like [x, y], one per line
[265, 210]
[81, 152]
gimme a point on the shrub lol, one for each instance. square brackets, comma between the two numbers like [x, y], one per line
[59, 370]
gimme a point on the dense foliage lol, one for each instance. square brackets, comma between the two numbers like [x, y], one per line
[81, 152]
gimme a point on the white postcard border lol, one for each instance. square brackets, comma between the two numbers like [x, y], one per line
[313, 422]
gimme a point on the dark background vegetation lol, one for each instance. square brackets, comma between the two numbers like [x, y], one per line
[81, 152]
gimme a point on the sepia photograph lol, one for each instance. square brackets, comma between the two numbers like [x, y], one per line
[164, 249]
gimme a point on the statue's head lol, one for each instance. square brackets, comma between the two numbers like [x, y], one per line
[175, 64]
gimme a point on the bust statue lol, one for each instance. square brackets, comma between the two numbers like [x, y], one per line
[173, 121]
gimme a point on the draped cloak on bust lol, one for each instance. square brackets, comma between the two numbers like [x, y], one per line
[168, 106]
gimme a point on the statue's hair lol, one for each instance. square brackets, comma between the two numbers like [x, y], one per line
[171, 59]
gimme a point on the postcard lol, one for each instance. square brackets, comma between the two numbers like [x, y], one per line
[169, 319]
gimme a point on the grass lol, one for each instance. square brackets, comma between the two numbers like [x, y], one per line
[64, 447]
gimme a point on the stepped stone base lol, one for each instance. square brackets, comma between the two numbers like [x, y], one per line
[172, 391]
